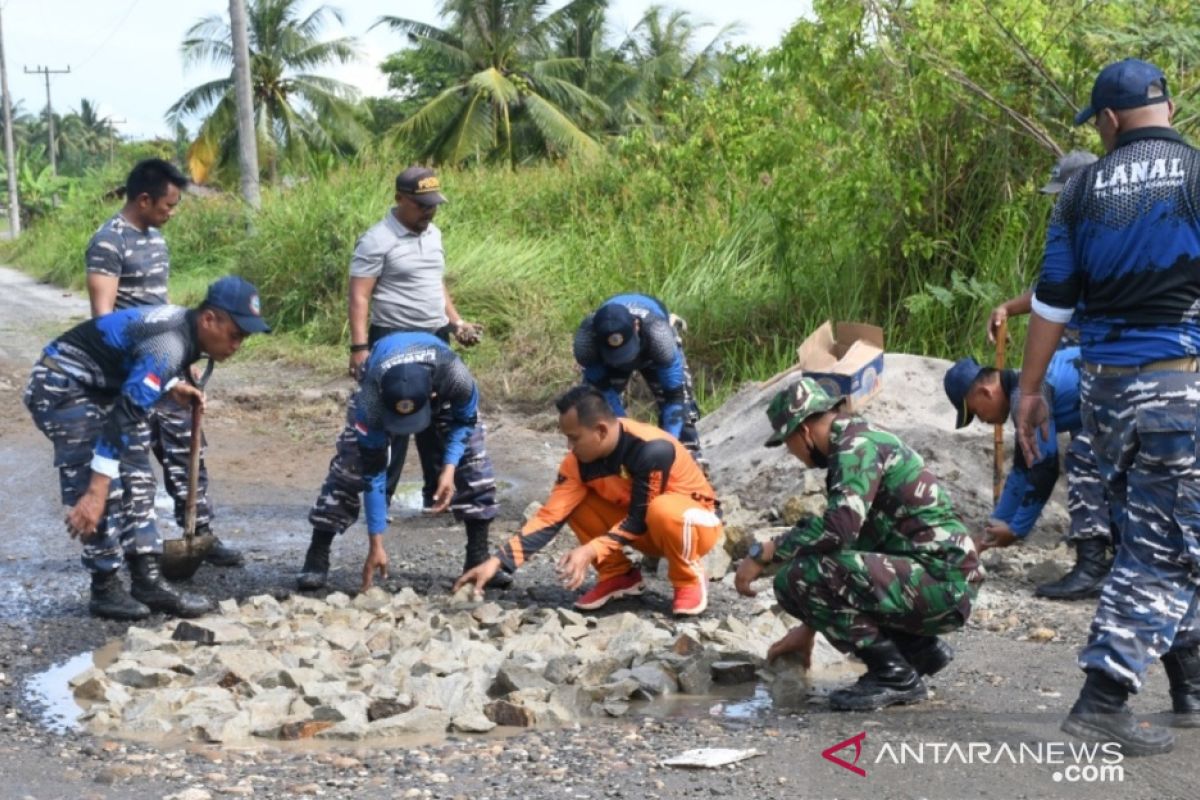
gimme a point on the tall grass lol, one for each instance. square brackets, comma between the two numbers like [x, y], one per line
[530, 253]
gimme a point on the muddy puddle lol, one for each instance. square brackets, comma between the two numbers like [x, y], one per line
[50, 690]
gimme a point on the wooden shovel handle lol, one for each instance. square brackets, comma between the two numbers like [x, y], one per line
[189, 517]
[998, 428]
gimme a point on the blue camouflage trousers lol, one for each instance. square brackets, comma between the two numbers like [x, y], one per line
[340, 500]
[1087, 502]
[71, 418]
[171, 439]
[1144, 433]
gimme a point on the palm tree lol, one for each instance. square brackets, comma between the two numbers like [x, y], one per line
[660, 54]
[514, 97]
[296, 112]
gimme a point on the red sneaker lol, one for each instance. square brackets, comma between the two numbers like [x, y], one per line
[690, 600]
[625, 585]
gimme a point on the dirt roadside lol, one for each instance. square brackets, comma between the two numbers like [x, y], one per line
[271, 430]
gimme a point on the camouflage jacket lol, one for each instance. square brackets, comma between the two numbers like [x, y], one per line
[882, 498]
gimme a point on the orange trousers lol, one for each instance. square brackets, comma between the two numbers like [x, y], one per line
[678, 529]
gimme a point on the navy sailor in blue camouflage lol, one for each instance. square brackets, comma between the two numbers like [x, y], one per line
[91, 393]
[128, 265]
[1124, 246]
[412, 383]
[631, 333]
[992, 395]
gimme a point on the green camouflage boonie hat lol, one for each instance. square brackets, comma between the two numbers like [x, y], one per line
[795, 404]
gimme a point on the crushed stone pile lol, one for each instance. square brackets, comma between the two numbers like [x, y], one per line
[384, 665]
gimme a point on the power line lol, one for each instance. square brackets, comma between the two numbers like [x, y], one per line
[111, 33]
[47, 72]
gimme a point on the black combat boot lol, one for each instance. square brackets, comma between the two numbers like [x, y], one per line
[110, 600]
[315, 571]
[928, 655]
[478, 551]
[890, 680]
[1183, 673]
[1086, 577]
[221, 554]
[1100, 715]
[151, 588]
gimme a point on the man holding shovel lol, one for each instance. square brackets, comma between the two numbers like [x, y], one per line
[991, 395]
[91, 394]
[127, 266]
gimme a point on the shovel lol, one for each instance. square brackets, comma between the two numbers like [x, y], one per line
[998, 430]
[182, 557]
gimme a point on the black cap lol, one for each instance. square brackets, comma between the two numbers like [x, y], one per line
[422, 184]
[406, 389]
[616, 338]
[239, 299]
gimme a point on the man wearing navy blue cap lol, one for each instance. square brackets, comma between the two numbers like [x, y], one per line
[1123, 246]
[631, 333]
[91, 393]
[412, 384]
[990, 394]
[129, 264]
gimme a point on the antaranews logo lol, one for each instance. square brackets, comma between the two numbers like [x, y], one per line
[1073, 762]
[856, 741]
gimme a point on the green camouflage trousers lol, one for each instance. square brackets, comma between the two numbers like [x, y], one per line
[853, 597]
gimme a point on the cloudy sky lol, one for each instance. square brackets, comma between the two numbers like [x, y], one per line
[124, 54]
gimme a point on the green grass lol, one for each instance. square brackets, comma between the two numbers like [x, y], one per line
[529, 253]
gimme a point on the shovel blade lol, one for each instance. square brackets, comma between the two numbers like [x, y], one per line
[182, 557]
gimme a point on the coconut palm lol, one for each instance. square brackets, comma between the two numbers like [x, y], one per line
[661, 53]
[296, 112]
[514, 98]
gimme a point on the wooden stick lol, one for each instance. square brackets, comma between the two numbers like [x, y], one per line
[189, 519]
[998, 428]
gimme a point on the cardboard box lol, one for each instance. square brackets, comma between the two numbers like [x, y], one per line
[847, 360]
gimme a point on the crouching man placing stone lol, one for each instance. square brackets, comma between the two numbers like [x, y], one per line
[91, 393]
[406, 379]
[623, 483]
[888, 568]
[991, 394]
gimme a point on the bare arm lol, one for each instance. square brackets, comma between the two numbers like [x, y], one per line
[452, 314]
[102, 293]
[1018, 306]
[359, 312]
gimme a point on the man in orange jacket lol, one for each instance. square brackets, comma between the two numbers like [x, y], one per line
[623, 483]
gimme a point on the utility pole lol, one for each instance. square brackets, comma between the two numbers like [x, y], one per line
[112, 132]
[47, 72]
[247, 140]
[10, 158]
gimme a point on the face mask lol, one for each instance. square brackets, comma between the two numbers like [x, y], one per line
[820, 460]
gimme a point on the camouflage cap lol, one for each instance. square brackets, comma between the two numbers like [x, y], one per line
[793, 405]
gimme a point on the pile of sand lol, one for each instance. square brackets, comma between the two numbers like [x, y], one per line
[912, 405]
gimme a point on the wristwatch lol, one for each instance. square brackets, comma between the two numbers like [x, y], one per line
[756, 554]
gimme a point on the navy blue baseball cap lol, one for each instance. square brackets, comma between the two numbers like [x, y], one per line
[617, 340]
[1125, 84]
[957, 382]
[239, 299]
[406, 389]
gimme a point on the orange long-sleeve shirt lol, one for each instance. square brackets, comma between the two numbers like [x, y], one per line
[646, 463]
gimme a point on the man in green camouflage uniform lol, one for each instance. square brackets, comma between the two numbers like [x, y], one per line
[889, 566]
